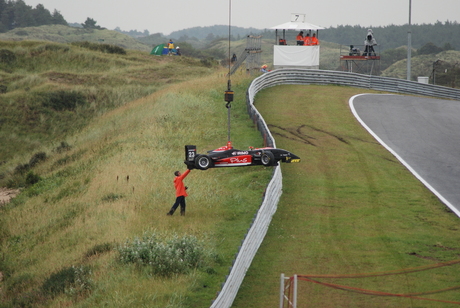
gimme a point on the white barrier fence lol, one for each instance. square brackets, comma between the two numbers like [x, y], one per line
[262, 219]
[322, 77]
[259, 226]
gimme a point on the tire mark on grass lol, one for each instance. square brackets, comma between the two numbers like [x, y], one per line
[303, 138]
[341, 139]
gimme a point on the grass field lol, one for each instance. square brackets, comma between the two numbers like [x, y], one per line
[113, 183]
[349, 207]
[53, 90]
[66, 34]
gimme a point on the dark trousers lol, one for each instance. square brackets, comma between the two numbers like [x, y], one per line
[368, 51]
[179, 201]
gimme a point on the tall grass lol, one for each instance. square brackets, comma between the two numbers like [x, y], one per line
[113, 182]
[35, 71]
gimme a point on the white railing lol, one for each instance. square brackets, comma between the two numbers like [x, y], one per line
[322, 77]
[262, 219]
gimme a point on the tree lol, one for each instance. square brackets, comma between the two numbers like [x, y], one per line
[90, 24]
[428, 49]
[391, 56]
[23, 16]
[58, 19]
[16, 14]
[447, 46]
[210, 37]
[41, 16]
[6, 16]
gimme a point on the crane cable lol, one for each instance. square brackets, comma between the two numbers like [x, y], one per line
[229, 93]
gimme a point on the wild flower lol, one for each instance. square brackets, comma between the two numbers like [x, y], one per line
[175, 255]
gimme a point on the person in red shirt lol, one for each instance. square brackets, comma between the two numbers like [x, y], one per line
[181, 192]
[314, 40]
[307, 40]
[299, 38]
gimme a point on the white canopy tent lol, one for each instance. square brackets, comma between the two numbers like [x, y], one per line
[295, 56]
[297, 25]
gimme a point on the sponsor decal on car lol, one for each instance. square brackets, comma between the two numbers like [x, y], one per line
[240, 153]
[234, 161]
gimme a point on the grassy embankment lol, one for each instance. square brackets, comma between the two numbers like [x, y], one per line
[113, 180]
[67, 34]
[53, 90]
[349, 207]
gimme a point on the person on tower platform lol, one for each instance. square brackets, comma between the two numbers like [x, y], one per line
[307, 40]
[299, 38]
[369, 44]
[314, 40]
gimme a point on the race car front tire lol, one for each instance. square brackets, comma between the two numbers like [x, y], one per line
[267, 159]
[203, 162]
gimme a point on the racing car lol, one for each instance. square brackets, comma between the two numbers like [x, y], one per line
[227, 156]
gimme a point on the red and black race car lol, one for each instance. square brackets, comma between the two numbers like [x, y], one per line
[227, 156]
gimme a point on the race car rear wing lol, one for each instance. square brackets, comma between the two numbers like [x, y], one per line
[190, 153]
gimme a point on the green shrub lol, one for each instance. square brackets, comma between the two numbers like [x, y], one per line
[49, 47]
[32, 178]
[22, 33]
[21, 168]
[64, 100]
[208, 62]
[107, 48]
[14, 182]
[7, 56]
[428, 49]
[4, 235]
[37, 158]
[112, 49]
[98, 249]
[71, 280]
[111, 197]
[64, 146]
[176, 255]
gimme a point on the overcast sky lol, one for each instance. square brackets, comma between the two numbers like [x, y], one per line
[166, 16]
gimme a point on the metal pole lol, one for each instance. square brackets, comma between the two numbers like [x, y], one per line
[294, 300]
[409, 43]
[282, 291]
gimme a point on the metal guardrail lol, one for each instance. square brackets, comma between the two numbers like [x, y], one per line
[322, 77]
[262, 219]
[251, 242]
[261, 222]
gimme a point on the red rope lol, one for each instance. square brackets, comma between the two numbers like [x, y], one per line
[395, 272]
[379, 293]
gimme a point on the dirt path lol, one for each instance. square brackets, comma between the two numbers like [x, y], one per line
[7, 194]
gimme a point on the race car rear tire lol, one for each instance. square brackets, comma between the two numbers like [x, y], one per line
[267, 159]
[203, 162]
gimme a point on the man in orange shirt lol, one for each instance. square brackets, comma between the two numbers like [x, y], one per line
[180, 192]
[307, 40]
[314, 40]
[299, 38]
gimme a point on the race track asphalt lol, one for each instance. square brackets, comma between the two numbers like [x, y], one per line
[423, 133]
